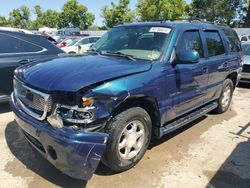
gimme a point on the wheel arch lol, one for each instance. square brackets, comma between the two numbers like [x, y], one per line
[149, 104]
[233, 76]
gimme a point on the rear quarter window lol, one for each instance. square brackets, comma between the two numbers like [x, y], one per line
[214, 43]
[233, 41]
[11, 44]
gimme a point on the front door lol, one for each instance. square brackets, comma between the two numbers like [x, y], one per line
[191, 79]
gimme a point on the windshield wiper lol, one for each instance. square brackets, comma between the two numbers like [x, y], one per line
[120, 54]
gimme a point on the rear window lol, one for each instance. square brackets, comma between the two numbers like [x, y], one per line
[11, 44]
[214, 43]
[233, 41]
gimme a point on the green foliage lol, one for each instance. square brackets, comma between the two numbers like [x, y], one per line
[75, 15]
[20, 17]
[216, 10]
[153, 10]
[117, 14]
[3, 21]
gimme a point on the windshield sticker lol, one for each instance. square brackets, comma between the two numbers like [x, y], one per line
[160, 30]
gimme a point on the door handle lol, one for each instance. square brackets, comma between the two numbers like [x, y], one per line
[25, 61]
[205, 70]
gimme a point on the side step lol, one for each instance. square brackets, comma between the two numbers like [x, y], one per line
[186, 119]
[4, 98]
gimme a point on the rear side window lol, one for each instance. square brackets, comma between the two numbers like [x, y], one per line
[84, 41]
[214, 43]
[93, 39]
[11, 44]
[190, 40]
[232, 40]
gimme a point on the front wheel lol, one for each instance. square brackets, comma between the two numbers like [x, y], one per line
[225, 97]
[130, 133]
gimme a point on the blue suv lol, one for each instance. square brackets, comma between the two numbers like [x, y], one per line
[139, 81]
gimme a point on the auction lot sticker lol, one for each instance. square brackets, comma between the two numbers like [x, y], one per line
[160, 30]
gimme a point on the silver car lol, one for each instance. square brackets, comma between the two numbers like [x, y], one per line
[245, 75]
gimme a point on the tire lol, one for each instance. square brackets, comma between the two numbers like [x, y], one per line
[225, 97]
[134, 125]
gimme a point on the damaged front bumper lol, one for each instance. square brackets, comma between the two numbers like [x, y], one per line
[74, 153]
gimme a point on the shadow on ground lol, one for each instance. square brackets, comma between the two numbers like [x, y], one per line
[244, 85]
[4, 107]
[235, 171]
[34, 161]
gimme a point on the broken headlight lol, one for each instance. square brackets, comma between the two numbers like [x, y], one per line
[72, 114]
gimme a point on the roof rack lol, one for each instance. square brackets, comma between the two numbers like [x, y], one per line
[199, 20]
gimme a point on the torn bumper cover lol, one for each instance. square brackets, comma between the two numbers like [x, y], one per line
[73, 153]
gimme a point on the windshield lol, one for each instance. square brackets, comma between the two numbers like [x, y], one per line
[246, 49]
[138, 42]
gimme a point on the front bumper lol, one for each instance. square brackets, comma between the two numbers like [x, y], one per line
[73, 153]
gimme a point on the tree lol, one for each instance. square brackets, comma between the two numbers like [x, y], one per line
[117, 14]
[216, 10]
[20, 17]
[3, 21]
[247, 18]
[75, 15]
[155, 10]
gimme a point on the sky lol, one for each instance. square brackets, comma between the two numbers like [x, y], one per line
[94, 6]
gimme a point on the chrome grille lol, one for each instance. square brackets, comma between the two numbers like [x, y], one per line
[35, 103]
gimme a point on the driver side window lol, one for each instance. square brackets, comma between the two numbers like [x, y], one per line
[190, 40]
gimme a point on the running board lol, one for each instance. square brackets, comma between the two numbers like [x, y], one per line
[4, 98]
[186, 119]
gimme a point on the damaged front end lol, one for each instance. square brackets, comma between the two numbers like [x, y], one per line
[69, 137]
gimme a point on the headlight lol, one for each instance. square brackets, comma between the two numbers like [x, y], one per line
[71, 114]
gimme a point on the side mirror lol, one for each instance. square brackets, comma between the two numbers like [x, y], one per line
[187, 57]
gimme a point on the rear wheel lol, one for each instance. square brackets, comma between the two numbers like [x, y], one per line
[225, 97]
[130, 133]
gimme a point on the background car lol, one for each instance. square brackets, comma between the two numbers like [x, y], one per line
[17, 49]
[81, 46]
[68, 41]
[245, 38]
[245, 75]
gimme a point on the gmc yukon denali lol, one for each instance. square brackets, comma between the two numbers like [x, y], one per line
[139, 81]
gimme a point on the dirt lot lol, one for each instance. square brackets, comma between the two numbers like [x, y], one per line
[213, 151]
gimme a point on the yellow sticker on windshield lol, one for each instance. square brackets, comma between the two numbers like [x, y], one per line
[160, 30]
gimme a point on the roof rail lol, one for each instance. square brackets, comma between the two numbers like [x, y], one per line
[193, 20]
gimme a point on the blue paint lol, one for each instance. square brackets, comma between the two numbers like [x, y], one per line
[176, 89]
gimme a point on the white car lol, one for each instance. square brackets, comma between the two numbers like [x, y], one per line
[81, 46]
[245, 75]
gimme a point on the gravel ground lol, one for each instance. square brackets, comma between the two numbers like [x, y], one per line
[213, 151]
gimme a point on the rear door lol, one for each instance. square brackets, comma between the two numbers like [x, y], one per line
[217, 61]
[15, 52]
[191, 78]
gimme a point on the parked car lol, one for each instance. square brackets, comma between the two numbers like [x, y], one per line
[245, 38]
[17, 49]
[66, 32]
[68, 41]
[139, 81]
[81, 46]
[245, 75]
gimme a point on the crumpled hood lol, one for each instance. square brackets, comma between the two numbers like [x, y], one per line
[74, 73]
